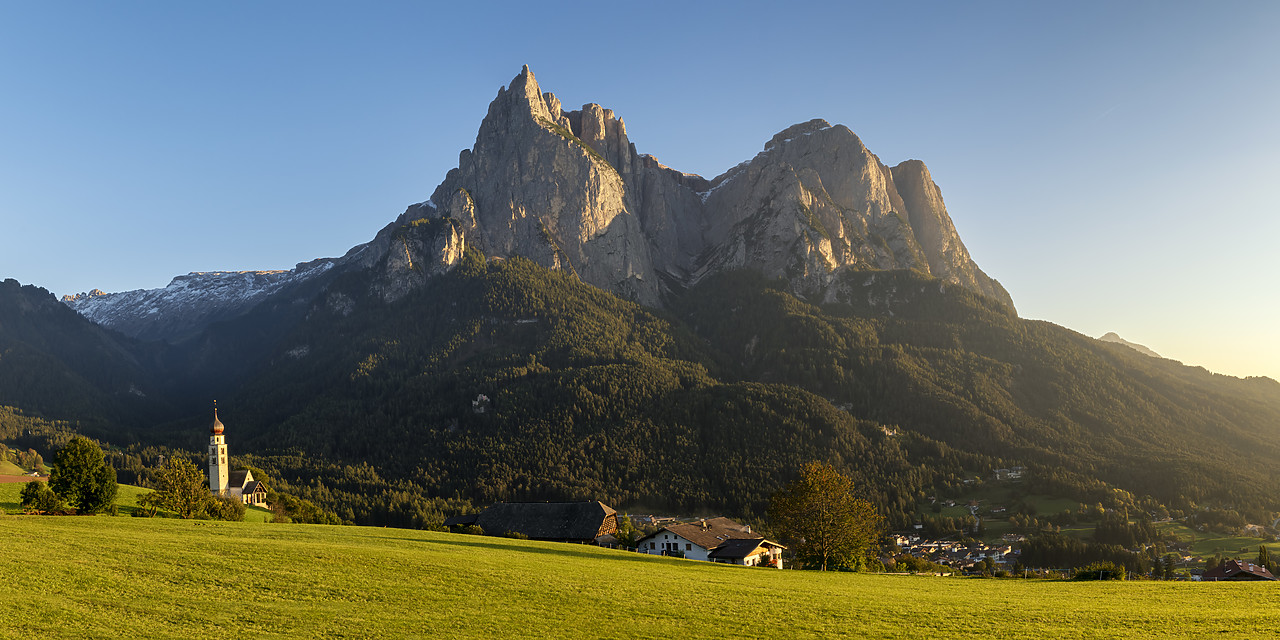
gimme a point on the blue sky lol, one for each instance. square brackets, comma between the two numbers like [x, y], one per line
[1110, 163]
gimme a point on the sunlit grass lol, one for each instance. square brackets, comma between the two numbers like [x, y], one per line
[130, 577]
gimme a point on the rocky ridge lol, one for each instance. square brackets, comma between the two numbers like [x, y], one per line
[568, 190]
[1115, 338]
[189, 303]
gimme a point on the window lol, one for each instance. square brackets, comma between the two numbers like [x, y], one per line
[688, 547]
[652, 546]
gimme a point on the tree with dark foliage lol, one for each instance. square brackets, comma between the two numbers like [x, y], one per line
[82, 478]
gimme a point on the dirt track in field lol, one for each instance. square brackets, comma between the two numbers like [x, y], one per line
[9, 479]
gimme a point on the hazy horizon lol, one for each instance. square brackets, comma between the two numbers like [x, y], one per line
[1110, 165]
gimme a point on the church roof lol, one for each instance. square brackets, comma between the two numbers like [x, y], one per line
[239, 479]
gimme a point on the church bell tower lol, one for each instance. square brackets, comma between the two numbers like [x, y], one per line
[217, 456]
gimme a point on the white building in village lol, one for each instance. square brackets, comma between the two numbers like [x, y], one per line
[713, 540]
[223, 481]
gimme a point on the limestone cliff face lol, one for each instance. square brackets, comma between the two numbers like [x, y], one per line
[531, 187]
[947, 256]
[568, 190]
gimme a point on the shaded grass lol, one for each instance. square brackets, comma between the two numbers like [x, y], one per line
[128, 577]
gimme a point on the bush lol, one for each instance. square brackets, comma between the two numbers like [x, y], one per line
[228, 508]
[37, 497]
[515, 535]
[471, 530]
[1101, 570]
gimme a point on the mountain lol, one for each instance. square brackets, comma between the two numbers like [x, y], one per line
[189, 303]
[53, 362]
[566, 318]
[1115, 338]
[569, 191]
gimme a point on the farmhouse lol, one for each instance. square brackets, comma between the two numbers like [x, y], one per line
[581, 522]
[1239, 571]
[714, 540]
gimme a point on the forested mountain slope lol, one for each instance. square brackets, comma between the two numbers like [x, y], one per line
[716, 401]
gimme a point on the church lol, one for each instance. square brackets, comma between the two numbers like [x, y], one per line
[223, 481]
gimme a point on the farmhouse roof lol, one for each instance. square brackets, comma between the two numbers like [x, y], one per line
[1236, 570]
[549, 520]
[709, 533]
[739, 548]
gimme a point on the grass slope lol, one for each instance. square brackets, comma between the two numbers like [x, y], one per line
[126, 501]
[125, 577]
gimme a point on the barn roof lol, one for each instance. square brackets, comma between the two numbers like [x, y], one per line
[546, 520]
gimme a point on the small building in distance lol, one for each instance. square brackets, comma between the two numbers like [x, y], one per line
[1237, 571]
[241, 485]
[581, 522]
[713, 540]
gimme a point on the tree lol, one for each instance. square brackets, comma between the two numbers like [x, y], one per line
[83, 478]
[180, 488]
[38, 497]
[822, 513]
[225, 508]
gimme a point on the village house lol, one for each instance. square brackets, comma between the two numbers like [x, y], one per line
[1235, 570]
[713, 540]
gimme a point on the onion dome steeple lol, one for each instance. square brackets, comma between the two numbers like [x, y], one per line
[217, 427]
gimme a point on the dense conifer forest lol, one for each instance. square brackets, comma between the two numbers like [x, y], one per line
[505, 381]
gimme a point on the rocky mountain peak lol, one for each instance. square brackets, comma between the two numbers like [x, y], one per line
[569, 191]
[796, 130]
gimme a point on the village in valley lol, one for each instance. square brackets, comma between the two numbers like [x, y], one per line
[986, 546]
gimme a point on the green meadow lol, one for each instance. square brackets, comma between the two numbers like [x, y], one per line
[126, 501]
[103, 577]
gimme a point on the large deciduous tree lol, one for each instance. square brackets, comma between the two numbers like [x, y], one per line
[825, 518]
[180, 488]
[82, 477]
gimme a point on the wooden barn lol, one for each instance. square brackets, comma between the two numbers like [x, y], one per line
[580, 522]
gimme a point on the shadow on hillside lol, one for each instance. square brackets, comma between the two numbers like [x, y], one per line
[558, 549]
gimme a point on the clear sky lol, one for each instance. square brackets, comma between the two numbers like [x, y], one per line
[1113, 163]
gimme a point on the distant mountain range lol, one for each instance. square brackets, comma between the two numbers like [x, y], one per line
[565, 318]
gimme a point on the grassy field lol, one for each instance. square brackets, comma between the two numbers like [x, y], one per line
[130, 577]
[10, 469]
[1206, 544]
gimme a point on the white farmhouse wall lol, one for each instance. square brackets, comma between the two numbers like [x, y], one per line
[665, 540]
